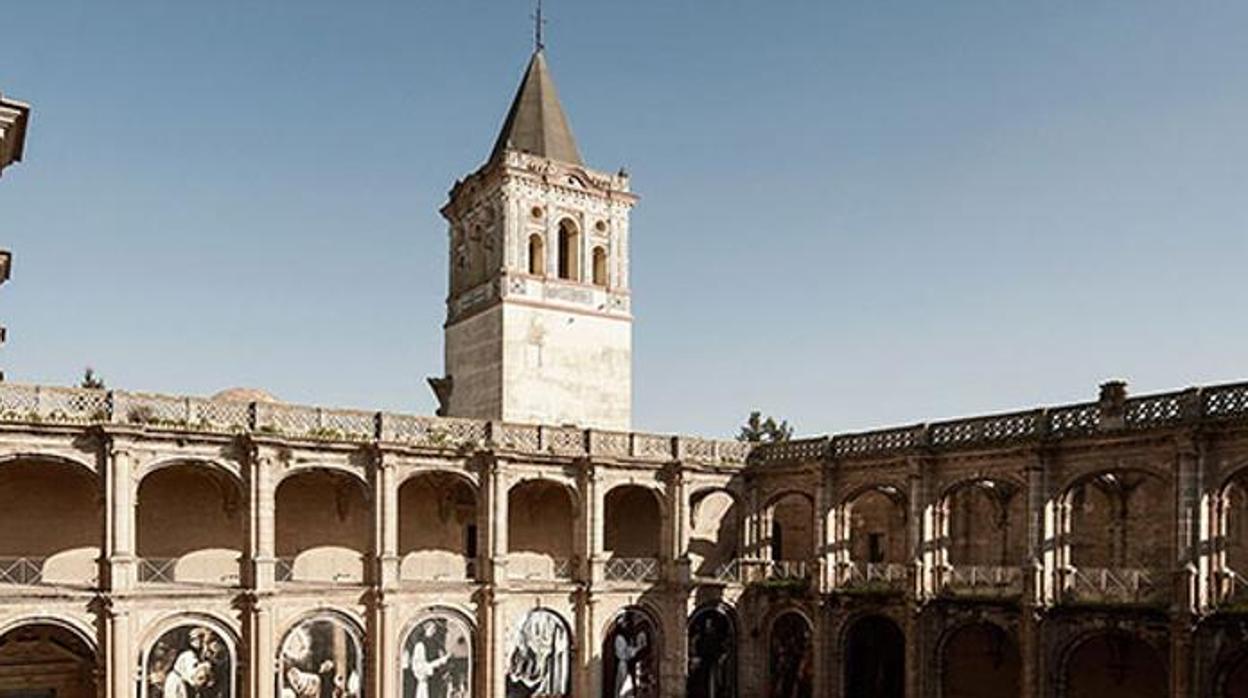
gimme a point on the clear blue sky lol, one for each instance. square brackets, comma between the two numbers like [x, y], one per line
[853, 215]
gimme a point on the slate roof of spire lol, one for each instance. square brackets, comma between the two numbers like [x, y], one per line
[536, 123]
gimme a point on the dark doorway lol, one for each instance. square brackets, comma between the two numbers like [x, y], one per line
[980, 661]
[875, 659]
[1116, 665]
[44, 660]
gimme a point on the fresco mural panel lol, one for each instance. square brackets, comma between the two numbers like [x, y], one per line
[321, 657]
[630, 654]
[189, 661]
[437, 657]
[712, 654]
[539, 656]
[791, 661]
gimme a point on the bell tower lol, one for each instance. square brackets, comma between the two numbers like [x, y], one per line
[538, 321]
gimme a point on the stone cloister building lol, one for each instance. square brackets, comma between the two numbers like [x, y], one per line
[528, 543]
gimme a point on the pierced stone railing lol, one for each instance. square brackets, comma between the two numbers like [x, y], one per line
[564, 568]
[1075, 420]
[29, 404]
[157, 570]
[877, 442]
[786, 570]
[32, 404]
[883, 576]
[21, 571]
[33, 571]
[729, 572]
[631, 569]
[796, 451]
[982, 580]
[1157, 410]
[1113, 586]
[983, 430]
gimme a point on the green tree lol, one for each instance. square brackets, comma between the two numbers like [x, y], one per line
[91, 381]
[759, 429]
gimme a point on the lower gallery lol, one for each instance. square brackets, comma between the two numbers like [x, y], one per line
[169, 547]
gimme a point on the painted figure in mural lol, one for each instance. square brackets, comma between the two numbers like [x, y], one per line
[437, 659]
[791, 662]
[632, 674]
[189, 662]
[712, 656]
[540, 658]
[320, 659]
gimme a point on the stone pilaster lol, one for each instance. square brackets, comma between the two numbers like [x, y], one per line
[118, 658]
[261, 553]
[119, 570]
[386, 523]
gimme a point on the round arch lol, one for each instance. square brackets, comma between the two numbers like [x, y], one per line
[345, 471]
[437, 649]
[541, 632]
[228, 468]
[632, 642]
[873, 656]
[89, 469]
[1112, 663]
[790, 652]
[712, 640]
[990, 481]
[182, 649]
[323, 521]
[894, 491]
[1087, 475]
[406, 475]
[985, 661]
[319, 646]
[81, 630]
[37, 651]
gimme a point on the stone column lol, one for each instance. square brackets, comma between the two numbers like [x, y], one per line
[584, 672]
[1035, 581]
[120, 659]
[1192, 579]
[261, 677]
[822, 579]
[261, 555]
[385, 647]
[119, 571]
[386, 522]
[593, 527]
[677, 531]
[492, 523]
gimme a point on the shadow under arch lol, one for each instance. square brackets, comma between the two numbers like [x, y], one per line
[712, 637]
[51, 521]
[978, 659]
[790, 653]
[632, 643]
[49, 654]
[322, 523]
[1112, 664]
[874, 654]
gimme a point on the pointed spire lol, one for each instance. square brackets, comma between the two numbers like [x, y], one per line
[536, 123]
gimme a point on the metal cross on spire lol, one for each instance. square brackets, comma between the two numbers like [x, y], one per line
[538, 23]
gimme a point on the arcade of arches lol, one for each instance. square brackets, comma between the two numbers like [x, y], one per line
[165, 561]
